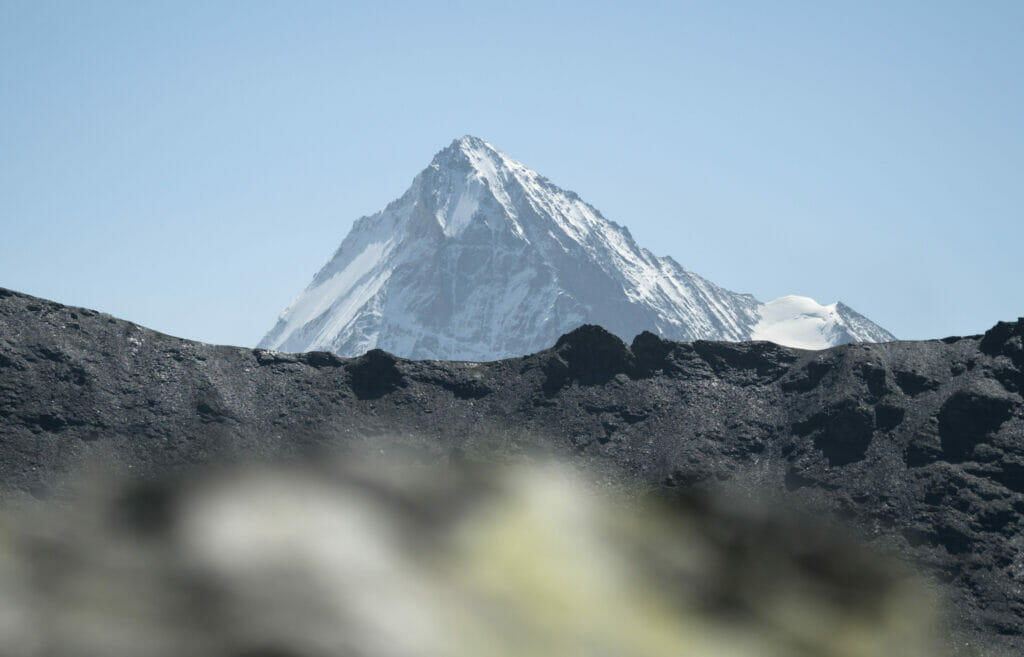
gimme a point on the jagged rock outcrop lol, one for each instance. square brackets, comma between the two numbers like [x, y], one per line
[919, 445]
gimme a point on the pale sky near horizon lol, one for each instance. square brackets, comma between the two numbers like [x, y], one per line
[190, 165]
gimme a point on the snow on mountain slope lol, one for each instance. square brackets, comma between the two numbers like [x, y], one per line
[804, 323]
[483, 258]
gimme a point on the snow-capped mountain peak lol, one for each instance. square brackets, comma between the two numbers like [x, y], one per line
[804, 323]
[483, 258]
[474, 172]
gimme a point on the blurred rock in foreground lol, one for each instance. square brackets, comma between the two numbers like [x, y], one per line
[439, 562]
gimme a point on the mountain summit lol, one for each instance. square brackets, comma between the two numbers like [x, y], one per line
[483, 258]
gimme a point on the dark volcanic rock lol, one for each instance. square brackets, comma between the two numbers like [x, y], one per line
[374, 374]
[842, 431]
[761, 362]
[920, 445]
[1005, 338]
[593, 355]
[651, 354]
[914, 383]
[971, 415]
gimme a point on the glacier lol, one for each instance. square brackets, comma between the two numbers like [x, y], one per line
[483, 258]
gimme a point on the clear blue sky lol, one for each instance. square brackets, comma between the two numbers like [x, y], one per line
[189, 166]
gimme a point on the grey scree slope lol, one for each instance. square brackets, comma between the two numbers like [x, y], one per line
[920, 445]
[483, 258]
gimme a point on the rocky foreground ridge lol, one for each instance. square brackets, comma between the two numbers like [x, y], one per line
[920, 445]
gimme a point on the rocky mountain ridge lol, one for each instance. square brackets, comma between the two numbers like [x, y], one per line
[919, 445]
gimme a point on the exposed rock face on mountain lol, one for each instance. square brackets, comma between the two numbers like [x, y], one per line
[483, 258]
[920, 445]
